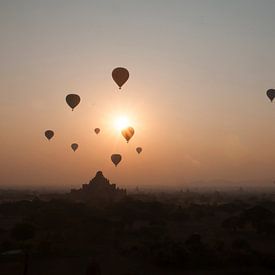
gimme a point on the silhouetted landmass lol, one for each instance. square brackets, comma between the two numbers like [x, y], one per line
[159, 233]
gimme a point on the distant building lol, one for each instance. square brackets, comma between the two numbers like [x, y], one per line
[99, 189]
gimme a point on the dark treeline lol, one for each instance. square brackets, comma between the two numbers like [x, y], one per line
[138, 235]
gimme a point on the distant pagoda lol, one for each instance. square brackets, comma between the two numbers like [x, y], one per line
[99, 189]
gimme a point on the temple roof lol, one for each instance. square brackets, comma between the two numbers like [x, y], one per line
[99, 188]
[99, 179]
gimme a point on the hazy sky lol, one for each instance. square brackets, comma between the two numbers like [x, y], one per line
[199, 71]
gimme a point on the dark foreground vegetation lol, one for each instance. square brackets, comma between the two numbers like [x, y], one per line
[140, 235]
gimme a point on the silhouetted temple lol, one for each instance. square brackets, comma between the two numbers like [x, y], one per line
[97, 190]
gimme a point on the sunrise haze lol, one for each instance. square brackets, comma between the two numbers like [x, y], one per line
[199, 71]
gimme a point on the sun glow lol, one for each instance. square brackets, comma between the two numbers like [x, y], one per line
[121, 122]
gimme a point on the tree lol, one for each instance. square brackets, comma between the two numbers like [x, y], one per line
[22, 232]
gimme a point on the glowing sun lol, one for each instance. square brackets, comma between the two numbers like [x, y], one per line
[121, 122]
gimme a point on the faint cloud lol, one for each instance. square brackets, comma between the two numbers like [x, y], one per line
[234, 148]
[195, 162]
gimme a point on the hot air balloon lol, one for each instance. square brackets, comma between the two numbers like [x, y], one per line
[74, 146]
[270, 94]
[97, 130]
[72, 100]
[116, 159]
[128, 133]
[49, 134]
[139, 150]
[120, 76]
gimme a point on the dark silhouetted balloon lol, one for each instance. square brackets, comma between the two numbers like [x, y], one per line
[116, 159]
[139, 149]
[120, 76]
[49, 134]
[97, 130]
[72, 100]
[271, 94]
[128, 133]
[74, 146]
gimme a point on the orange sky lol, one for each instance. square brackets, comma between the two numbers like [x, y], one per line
[195, 96]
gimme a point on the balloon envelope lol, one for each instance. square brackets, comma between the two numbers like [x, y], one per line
[120, 76]
[72, 100]
[270, 94]
[97, 130]
[139, 149]
[49, 134]
[128, 133]
[116, 159]
[74, 146]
